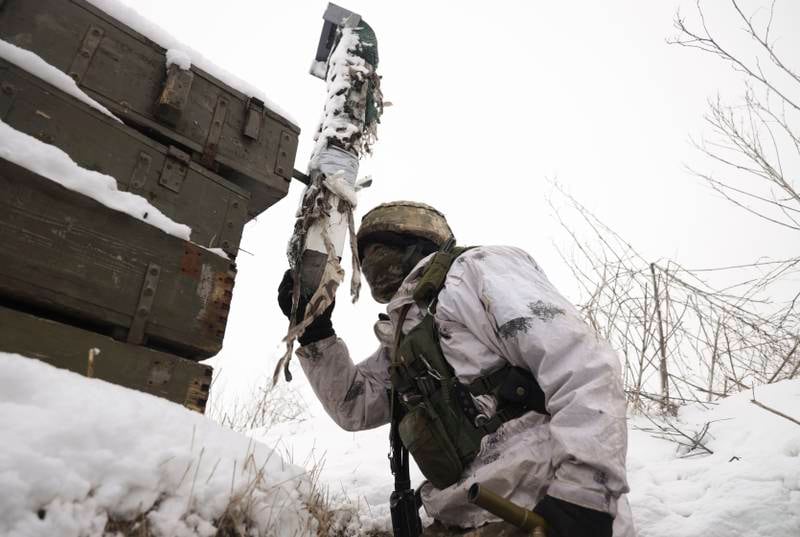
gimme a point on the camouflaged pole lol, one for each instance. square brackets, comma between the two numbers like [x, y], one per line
[347, 59]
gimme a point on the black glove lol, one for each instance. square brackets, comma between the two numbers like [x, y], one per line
[320, 328]
[569, 520]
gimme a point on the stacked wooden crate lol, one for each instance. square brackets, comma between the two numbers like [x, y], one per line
[76, 275]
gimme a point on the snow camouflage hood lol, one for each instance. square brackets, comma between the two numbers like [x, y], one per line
[497, 306]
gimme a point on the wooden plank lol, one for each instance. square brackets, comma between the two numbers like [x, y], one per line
[127, 73]
[201, 199]
[138, 368]
[66, 254]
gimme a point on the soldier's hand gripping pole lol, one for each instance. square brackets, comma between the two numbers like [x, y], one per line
[507, 510]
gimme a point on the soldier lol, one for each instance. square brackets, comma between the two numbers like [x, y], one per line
[498, 380]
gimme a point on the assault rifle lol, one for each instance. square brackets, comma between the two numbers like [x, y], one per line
[404, 502]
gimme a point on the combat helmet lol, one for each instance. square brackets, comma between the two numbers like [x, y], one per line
[405, 218]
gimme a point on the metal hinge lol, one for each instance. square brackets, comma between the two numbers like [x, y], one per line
[145, 305]
[176, 165]
[80, 64]
[255, 115]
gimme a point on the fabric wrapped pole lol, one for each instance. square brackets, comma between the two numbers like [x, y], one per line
[333, 160]
[347, 130]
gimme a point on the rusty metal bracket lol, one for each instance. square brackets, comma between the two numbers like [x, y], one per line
[215, 316]
[214, 133]
[140, 172]
[254, 118]
[176, 165]
[80, 64]
[145, 305]
[191, 260]
[7, 95]
[198, 391]
[174, 96]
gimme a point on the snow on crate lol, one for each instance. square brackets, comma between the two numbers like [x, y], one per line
[54, 164]
[729, 470]
[81, 456]
[32, 63]
[178, 57]
[180, 54]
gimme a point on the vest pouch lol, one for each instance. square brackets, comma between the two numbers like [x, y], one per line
[433, 278]
[520, 388]
[424, 435]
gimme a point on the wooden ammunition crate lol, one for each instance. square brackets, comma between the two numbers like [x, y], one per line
[139, 368]
[213, 207]
[215, 124]
[73, 259]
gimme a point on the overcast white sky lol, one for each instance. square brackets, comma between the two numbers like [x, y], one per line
[490, 100]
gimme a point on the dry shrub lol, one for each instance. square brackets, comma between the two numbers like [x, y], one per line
[265, 406]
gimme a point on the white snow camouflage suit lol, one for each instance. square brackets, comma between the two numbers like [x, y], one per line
[497, 305]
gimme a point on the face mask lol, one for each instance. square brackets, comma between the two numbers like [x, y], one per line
[385, 267]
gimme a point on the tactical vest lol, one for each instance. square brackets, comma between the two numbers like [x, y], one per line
[440, 424]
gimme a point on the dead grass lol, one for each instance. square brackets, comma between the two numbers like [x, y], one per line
[266, 406]
[323, 514]
[320, 513]
[138, 527]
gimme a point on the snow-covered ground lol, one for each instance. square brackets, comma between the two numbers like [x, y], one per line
[749, 485]
[76, 452]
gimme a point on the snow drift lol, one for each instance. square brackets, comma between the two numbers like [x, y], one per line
[744, 481]
[79, 456]
[748, 486]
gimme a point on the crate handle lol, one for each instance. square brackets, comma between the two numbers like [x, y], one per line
[174, 95]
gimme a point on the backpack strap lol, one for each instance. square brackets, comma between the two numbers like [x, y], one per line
[432, 280]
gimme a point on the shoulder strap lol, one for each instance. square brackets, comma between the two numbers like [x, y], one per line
[435, 273]
[398, 333]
